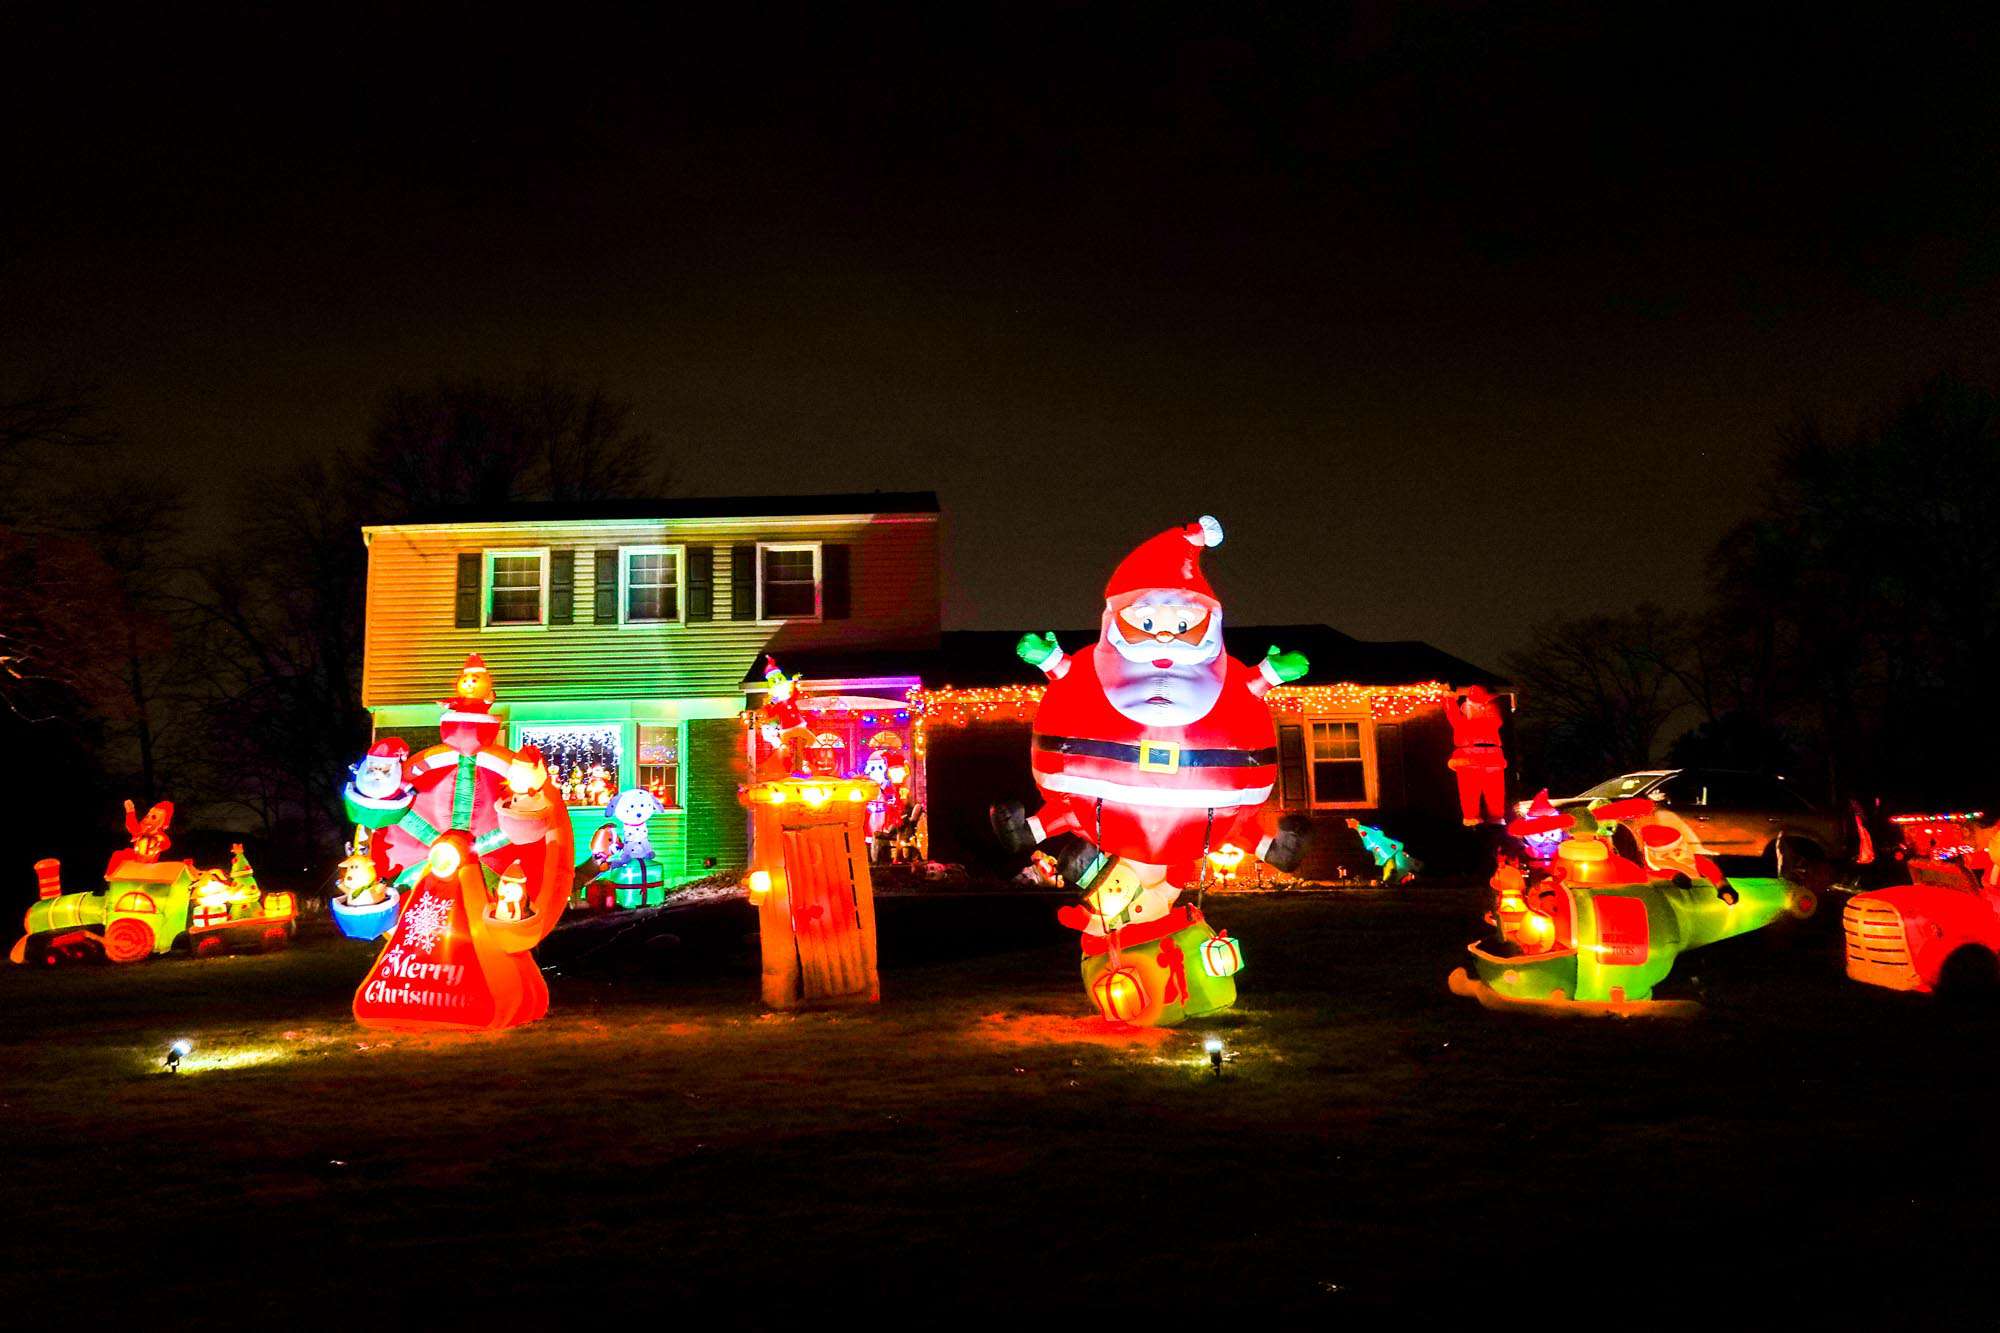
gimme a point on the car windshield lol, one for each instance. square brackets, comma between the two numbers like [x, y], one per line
[1630, 784]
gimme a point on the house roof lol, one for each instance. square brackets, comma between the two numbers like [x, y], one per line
[969, 658]
[693, 507]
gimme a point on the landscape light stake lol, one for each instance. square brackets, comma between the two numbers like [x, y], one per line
[174, 1053]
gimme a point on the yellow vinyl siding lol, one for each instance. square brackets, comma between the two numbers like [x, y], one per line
[413, 648]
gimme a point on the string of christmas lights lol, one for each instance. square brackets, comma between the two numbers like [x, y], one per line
[949, 706]
[1385, 703]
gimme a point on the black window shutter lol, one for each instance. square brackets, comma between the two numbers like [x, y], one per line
[469, 574]
[743, 583]
[1292, 793]
[605, 612]
[562, 587]
[700, 583]
[834, 598]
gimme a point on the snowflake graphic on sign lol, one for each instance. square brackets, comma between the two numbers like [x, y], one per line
[427, 921]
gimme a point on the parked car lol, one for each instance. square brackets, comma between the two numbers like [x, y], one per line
[1732, 813]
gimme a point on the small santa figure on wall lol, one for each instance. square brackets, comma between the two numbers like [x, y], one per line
[1476, 757]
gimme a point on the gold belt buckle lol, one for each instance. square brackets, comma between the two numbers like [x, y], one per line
[1159, 757]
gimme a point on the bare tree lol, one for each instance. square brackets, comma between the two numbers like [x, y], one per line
[60, 594]
[479, 442]
[1599, 692]
[282, 608]
[1871, 578]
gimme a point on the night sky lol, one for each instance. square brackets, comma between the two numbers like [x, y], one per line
[1458, 316]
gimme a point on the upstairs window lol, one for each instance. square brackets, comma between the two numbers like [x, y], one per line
[788, 581]
[517, 587]
[651, 579]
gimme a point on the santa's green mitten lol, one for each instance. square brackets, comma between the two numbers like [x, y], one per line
[1039, 651]
[1279, 668]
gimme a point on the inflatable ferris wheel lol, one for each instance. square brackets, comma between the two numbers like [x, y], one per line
[467, 866]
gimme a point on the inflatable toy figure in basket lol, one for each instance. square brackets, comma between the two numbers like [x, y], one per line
[1152, 749]
[478, 842]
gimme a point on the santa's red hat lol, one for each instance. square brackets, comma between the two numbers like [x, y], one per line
[1170, 560]
[390, 747]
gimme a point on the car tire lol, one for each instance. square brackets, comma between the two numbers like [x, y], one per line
[1971, 972]
[1803, 862]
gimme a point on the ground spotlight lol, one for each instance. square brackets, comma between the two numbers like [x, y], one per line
[175, 1053]
[1214, 1048]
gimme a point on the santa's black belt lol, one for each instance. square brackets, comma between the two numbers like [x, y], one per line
[1157, 756]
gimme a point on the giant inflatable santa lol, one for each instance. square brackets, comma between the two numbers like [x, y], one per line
[1154, 748]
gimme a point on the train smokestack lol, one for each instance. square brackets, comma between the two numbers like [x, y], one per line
[48, 877]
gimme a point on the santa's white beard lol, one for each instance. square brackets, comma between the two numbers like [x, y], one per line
[379, 778]
[1162, 696]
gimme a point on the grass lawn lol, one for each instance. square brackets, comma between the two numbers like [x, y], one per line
[974, 1150]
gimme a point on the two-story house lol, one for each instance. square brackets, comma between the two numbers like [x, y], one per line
[620, 633]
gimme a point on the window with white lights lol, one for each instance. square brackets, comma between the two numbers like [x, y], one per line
[649, 585]
[583, 758]
[659, 770]
[517, 587]
[788, 581]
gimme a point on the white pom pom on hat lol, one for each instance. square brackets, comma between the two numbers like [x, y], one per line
[1206, 531]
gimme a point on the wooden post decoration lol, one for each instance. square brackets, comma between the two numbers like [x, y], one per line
[809, 881]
